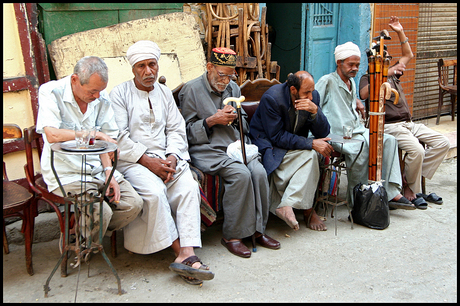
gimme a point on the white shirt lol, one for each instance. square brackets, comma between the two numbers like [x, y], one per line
[137, 136]
[59, 109]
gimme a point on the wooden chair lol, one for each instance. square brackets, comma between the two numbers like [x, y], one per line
[18, 202]
[445, 87]
[253, 91]
[39, 187]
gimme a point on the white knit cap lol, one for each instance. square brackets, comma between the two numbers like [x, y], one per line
[142, 50]
[346, 50]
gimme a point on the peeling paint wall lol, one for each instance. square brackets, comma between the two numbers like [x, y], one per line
[175, 33]
[13, 62]
[16, 105]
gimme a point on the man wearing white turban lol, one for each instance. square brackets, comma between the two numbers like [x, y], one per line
[340, 104]
[154, 159]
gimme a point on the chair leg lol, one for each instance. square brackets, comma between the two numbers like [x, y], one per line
[5, 239]
[453, 99]
[423, 185]
[113, 244]
[28, 237]
[441, 98]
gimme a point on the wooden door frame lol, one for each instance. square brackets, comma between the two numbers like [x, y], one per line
[35, 62]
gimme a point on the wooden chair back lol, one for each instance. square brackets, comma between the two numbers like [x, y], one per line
[447, 69]
[253, 91]
[444, 67]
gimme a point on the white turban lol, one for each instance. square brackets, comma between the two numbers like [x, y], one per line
[142, 50]
[346, 50]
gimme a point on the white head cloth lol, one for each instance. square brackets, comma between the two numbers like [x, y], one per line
[142, 50]
[346, 50]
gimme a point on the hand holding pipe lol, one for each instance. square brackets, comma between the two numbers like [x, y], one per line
[240, 120]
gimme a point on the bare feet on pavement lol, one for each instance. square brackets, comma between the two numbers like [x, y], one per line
[409, 194]
[315, 222]
[286, 213]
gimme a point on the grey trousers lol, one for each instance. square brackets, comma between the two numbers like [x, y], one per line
[245, 200]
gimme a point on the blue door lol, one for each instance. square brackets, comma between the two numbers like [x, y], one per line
[319, 37]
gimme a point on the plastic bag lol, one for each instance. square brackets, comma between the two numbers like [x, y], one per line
[234, 151]
[371, 206]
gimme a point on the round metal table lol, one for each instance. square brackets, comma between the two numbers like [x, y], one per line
[337, 168]
[83, 201]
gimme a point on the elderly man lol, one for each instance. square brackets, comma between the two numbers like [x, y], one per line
[153, 159]
[76, 101]
[339, 102]
[287, 113]
[398, 122]
[211, 128]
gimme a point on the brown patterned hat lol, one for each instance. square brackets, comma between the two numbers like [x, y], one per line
[223, 57]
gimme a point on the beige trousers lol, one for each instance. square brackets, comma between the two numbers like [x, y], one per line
[419, 162]
[115, 215]
[295, 180]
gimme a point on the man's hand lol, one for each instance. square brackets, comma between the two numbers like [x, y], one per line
[321, 146]
[161, 168]
[223, 116]
[360, 108]
[395, 25]
[173, 163]
[306, 105]
[397, 69]
[105, 137]
[113, 190]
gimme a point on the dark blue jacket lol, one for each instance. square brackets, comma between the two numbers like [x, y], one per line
[270, 125]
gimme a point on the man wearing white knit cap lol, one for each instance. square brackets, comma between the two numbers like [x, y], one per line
[154, 159]
[340, 104]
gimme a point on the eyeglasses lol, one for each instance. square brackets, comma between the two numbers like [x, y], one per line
[224, 76]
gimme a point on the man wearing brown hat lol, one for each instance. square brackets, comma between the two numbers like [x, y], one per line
[211, 128]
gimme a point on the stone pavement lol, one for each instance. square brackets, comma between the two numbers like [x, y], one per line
[413, 260]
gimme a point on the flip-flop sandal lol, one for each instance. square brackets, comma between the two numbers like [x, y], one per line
[402, 203]
[185, 269]
[432, 198]
[191, 281]
[420, 203]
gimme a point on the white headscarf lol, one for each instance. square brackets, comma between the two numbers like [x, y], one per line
[142, 50]
[346, 50]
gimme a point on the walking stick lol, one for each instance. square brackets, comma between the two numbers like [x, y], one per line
[243, 149]
[240, 121]
[384, 94]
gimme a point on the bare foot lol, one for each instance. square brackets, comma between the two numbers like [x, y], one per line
[286, 214]
[315, 222]
[409, 194]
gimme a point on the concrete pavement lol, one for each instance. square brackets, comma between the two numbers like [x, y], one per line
[413, 260]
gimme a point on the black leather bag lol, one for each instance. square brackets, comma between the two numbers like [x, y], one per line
[371, 206]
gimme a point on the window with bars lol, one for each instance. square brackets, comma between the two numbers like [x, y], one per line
[322, 14]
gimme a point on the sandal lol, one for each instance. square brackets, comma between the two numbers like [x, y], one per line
[432, 198]
[402, 203]
[185, 269]
[420, 203]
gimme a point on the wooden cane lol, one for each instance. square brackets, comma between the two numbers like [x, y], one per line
[238, 109]
[373, 128]
[371, 62]
[384, 94]
[243, 150]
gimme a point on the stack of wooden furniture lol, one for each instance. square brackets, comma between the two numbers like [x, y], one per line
[237, 26]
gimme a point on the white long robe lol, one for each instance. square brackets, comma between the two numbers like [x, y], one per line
[172, 210]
